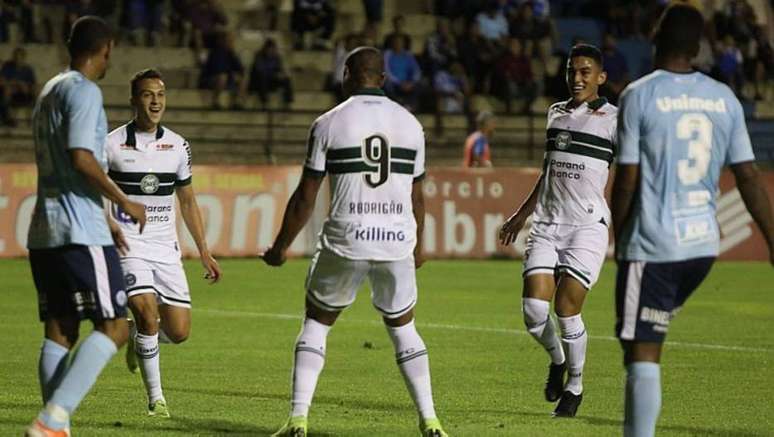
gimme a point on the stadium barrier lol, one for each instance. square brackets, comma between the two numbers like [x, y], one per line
[243, 206]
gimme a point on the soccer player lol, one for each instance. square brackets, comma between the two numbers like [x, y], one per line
[73, 258]
[152, 164]
[677, 128]
[374, 151]
[570, 218]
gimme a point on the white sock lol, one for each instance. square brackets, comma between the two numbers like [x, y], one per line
[412, 359]
[147, 349]
[542, 328]
[574, 340]
[309, 362]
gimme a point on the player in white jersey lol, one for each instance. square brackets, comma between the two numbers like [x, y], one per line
[152, 164]
[374, 151]
[570, 218]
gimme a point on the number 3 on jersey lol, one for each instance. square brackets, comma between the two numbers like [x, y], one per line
[376, 153]
[697, 129]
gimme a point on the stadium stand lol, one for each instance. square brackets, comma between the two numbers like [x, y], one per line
[277, 132]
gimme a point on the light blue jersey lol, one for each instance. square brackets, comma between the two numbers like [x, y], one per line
[681, 129]
[68, 115]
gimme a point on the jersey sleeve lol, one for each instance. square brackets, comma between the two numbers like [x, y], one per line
[628, 129]
[740, 147]
[316, 148]
[84, 105]
[184, 172]
[419, 160]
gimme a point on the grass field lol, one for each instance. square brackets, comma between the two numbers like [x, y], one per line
[232, 376]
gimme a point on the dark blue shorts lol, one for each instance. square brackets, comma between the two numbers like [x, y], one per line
[79, 281]
[648, 295]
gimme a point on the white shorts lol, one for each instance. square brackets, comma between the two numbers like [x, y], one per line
[168, 281]
[333, 282]
[578, 251]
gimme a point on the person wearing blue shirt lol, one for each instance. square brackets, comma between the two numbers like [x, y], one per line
[72, 248]
[403, 74]
[677, 129]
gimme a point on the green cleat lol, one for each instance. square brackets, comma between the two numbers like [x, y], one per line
[294, 427]
[432, 428]
[158, 409]
[131, 355]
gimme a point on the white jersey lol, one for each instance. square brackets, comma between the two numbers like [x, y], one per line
[580, 145]
[148, 167]
[373, 149]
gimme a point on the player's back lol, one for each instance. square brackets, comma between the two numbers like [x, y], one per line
[68, 115]
[373, 149]
[685, 127]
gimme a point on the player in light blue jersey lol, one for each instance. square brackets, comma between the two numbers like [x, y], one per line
[677, 129]
[74, 262]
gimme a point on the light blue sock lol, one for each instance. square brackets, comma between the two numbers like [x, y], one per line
[643, 399]
[51, 367]
[92, 356]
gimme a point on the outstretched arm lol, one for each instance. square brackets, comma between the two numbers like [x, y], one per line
[192, 217]
[297, 213]
[755, 198]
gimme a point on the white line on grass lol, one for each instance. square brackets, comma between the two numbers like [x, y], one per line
[719, 347]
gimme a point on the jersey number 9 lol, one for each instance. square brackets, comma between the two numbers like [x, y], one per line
[376, 153]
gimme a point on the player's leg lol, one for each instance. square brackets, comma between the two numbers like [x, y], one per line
[394, 294]
[540, 260]
[174, 300]
[581, 256]
[95, 279]
[332, 283]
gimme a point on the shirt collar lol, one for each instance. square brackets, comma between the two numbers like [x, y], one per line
[594, 105]
[131, 129]
[369, 92]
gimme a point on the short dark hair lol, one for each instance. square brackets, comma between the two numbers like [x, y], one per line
[365, 63]
[148, 73]
[588, 51]
[88, 35]
[679, 31]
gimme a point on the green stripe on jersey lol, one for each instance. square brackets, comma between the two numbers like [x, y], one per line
[402, 168]
[577, 149]
[401, 153]
[580, 137]
[120, 176]
[355, 152]
[348, 167]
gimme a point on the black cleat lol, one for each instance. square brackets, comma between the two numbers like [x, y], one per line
[555, 382]
[568, 405]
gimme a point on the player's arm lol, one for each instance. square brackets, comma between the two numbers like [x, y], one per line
[510, 229]
[756, 199]
[418, 208]
[624, 188]
[297, 213]
[85, 163]
[192, 217]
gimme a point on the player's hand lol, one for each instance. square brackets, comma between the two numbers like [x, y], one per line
[211, 266]
[273, 257]
[118, 237]
[136, 211]
[510, 229]
[419, 259]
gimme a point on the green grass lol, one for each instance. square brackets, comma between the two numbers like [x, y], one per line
[232, 376]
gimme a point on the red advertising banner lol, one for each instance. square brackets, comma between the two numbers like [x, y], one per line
[242, 208]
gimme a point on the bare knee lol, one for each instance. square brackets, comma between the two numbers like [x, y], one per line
[116, 329]
[570, 295]
[62, 331]
[635, 351]
[177, 335]
[403, 320]
[146, 313]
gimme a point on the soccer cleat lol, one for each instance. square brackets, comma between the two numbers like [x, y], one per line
[38, 429]
[294, 427]
[432, 428]
[568, 405]
[158, 408]
[131, 355]
[555, 382]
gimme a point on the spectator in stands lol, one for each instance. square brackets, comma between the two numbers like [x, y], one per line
[492, 24]
[268, 75]
[535, 30]
[51, 15]
[403, 75]
[208, 20]
[514, 77]
[316, 16]
[224, 71]
[374, 13]
[616, 67]
[452, 93]
[476, 152]
[144, 21]
[343, 46]
[398, 24]
[7, 16]
[478, 55]
[728, 66]
[440, 48]
[764, 65]
[18, 80]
